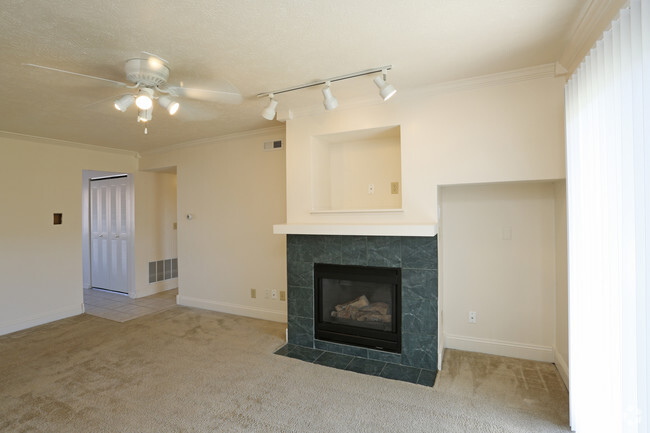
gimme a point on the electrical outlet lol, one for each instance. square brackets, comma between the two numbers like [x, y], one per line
[253, 293]
[394, 187]
[267, 293]
[283, 295]
[274, 294]
[472, 317]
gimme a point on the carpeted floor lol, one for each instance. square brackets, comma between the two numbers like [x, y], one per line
[191, 370]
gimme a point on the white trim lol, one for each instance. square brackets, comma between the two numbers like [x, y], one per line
[157, 287]
[217, 139]
[562, 367]
[423, 230]
[7, 328]
[240, 310]
[594, 18]
[498, 347]
[55, 142]
[343, 211]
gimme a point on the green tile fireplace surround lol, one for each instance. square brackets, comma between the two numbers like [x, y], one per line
[418, 259]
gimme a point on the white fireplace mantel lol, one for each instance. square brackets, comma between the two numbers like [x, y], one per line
[422, 230]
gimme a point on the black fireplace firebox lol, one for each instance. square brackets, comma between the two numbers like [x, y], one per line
[358, 305]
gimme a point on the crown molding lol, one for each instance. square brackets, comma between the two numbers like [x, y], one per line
[73, 144]
[498, 79]
[549, 70]
[588, 27]
[214, 140]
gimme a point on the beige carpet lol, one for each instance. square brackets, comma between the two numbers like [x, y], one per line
[190, 370]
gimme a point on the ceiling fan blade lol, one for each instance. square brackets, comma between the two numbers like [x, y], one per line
[222, 96]
[197, 112]
[118, 83]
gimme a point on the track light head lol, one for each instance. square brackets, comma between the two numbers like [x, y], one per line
[269, 111]
[386, 90]
[144, 101]
[169, 104]
[123, 102]
[330, 101]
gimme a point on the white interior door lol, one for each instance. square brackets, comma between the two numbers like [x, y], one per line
[110, 233]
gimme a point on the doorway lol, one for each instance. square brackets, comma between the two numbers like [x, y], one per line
[107, 226]
[110, 233]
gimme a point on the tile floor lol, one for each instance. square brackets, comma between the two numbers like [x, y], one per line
[372, 367]
[120, 308]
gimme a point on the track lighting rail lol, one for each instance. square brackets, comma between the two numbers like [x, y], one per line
[321, 82]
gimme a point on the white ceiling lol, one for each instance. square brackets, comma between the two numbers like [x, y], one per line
[258, 46]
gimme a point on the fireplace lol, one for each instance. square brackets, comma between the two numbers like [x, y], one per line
[417, 260]
[358, 305]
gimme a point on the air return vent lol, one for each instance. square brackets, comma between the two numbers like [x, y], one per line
[273, 145]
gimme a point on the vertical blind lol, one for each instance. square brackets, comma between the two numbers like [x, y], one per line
[608, 205]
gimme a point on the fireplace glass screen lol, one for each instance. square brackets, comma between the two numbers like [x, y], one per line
[358, 305]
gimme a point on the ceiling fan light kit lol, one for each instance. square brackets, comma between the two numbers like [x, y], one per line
[386, 90]
[144, 101]
[124, 102]
[149, 76]
[168, 104]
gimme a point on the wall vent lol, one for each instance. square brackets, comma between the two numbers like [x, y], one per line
[273, 145]
[163, 270]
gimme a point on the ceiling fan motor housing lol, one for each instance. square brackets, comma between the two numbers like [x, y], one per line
[147, 72]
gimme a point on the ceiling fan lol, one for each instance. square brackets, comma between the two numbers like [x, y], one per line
[148, 77]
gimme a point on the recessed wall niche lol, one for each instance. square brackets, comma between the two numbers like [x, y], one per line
[357, 171]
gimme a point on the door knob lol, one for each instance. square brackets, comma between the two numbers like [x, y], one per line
[116, 236]
[101, 236]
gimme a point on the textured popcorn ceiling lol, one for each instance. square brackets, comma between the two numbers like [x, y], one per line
[256, 45]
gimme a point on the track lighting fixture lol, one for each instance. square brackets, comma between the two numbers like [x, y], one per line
[330, 101]
[269, 111]
[386, 90]
[124, 102]
[144, 101]
[169, 104]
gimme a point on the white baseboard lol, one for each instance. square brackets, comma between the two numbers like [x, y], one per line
[563, 368]
[501, 348]
[7, 328]
[240, 310]
[152, 289]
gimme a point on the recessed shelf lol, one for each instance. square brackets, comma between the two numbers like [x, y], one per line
[356, 171]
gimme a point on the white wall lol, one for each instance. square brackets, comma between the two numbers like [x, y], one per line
[155, 215]
[41, 263]
[494, 133]
[499, 260]
[235, 192]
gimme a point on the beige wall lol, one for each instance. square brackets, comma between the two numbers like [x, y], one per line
[235, 192]
[155, 236]
[343, 171]
[41, 263]
[499, 258]
[496, 133]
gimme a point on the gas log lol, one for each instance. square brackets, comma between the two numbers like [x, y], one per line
[361, 310]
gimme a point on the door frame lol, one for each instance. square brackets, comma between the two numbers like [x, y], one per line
[85, 227]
